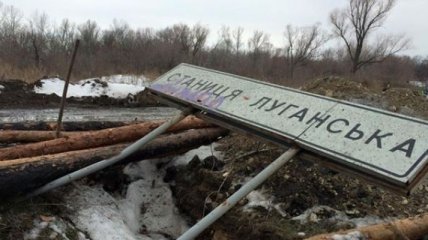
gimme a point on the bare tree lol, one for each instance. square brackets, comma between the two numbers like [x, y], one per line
[65, 35]
[238, 41]
[39, 36]
[355, 23]
[224, 42]
[258, 42]
[182, 37]
[259, 51]
[89, 33]
[199, 37]
[302, 45]
[10, 21]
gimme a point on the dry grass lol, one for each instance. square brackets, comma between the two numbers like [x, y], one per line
[28, 75]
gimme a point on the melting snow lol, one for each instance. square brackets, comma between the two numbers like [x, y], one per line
[259, 199]
[57, 229]
[126, 79]
[146, 212]
[117, 86]
[316, 213]
[202, 152]
[418, 83]
[356, 235]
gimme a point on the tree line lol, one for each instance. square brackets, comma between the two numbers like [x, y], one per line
[39, 47]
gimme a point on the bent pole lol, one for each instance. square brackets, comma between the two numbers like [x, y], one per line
[215, 214]
[110, 161]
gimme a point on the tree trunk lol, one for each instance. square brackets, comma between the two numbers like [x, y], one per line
[36, 54]
[16, 136]
[94, 139]
[21, 175]
[66, 126]
[409, 228]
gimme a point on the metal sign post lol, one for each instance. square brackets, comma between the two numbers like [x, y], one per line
[219, 211]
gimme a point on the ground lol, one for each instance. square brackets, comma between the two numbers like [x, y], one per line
[300, 200]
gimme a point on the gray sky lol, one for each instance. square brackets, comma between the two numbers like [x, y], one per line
[271, 16]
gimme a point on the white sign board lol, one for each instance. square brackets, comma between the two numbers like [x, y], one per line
[367, 140]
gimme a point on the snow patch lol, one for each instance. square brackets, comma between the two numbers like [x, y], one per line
[56, 226]
[202, 152]
[259, 199]
[149, 202]
[97, 213]
[126, 79]
[355, 235]
[1, 88]
[418, 83]
[147, 211]
[318, 213]
[35, 232]
[118, 86]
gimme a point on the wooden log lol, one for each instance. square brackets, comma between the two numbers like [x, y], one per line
[94, 139]
[19, 136]
[21, 175]
[410, 228]
[66, 126]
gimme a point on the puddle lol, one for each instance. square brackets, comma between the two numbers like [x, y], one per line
[75, 114]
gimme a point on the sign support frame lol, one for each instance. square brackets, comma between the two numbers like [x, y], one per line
[255, 182]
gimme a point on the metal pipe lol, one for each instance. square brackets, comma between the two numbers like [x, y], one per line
[215, 214]
[110, 161]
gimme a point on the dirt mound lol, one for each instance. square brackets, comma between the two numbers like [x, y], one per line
[19, 94]
[407, 101]
[338, 88]
[402, 100]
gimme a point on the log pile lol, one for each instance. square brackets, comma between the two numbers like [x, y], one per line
[410, 228]
[28, 166]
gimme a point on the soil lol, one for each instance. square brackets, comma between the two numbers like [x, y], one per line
[205, 183]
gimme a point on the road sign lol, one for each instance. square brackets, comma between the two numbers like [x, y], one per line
[389, 148]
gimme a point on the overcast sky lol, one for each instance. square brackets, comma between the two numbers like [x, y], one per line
[271, 16]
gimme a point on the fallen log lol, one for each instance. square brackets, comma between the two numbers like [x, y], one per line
[19, 136]
[66, 126]
[94, 139]
[21, 175]
[410, 228]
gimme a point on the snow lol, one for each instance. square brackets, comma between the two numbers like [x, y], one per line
[355, 235]
[258, 198]
[418, 83]
[35, 232]
[1, 88]
[146, 211]
[116, 86]
[314, 215]
[202, 152]
[57, 229]
[126, 79]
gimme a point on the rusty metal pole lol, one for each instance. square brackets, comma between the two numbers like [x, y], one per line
[64, 92]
